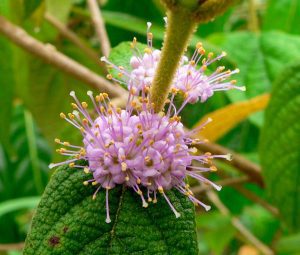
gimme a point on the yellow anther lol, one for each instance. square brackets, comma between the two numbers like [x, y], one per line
[204, 67]
[85, 121]
[86, 170]
[133, 91]
[193, 150]
[123, 166]
[109, 76]
[213, 168]
[160, 189]
[149, 199]
[192, 63]
[199, 45]
[57, 140]
[62, 115]
[74, 106]
[127, 178]
[147, 50]
[105, 95]
[71, 116]
[94, 183]
[66, 143]
[154, 201]
[84, 105]
[210, 55]
[85, 183]
[138, 181]
[94, 196]
[120, 75]
[119, 110]
[147, 158]
[140, 192]
[233, 82]
[201, 51]
[150, 35]
[72, 164]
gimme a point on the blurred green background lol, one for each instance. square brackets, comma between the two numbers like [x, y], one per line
[261, 37]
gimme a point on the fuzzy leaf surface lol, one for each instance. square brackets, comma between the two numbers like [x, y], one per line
[68, 221]
[280, 146]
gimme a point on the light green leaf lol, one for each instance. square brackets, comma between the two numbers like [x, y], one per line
[59, 9]
[282, 15]
[260, 58]
[280, 146]
[68, 221]
[17, 204]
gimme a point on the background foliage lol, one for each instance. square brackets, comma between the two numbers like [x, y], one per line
[261, 37]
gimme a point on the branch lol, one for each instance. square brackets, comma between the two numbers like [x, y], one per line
[11, 246]
[238, 225]
[99, 26]
[49, 54]
[241, 163]
[67, 33]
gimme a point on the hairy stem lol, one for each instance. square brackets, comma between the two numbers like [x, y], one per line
[179, 29]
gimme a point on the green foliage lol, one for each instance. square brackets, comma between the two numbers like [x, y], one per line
[68, 221]
[17, 204]
[280, 143]
[43, 93]
[30, 6]
[22, 174]
[289, 245]
[7, 87]
[282, 15]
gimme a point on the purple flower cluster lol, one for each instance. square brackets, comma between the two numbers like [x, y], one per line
[137, 147]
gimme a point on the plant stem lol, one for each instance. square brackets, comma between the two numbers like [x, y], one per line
[179, 29]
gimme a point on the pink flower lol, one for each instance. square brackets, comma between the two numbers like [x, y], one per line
[137, 147]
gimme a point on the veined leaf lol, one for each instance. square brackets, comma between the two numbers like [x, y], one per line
[229, 116]
[259, 57]
[280, 146]
[68, 221]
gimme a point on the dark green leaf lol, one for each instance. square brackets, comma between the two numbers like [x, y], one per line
[68, 221]
[280, 146]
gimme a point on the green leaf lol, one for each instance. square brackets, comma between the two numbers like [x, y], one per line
[211, 227]
[17, 204]
[59, 9]
[289, 245]
[30, 6]
[282, 15]
[260, 59]
[280, 146]
[7, 83]
[68, 221]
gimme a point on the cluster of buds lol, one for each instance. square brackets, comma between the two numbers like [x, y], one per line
[147, 151]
